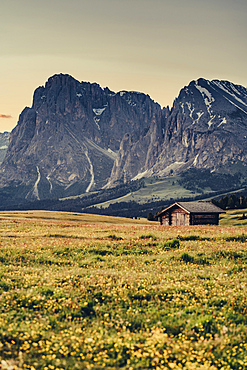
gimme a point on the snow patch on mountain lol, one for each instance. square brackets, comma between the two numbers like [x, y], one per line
[48, 179]
[96, 120]
[99, 111]
[222, 122]
[91, 172]
[35, 188]
[173, 166]
[182, 106]
[234, 89]
[108, 152]
[207, 96]
[85, 151]
[228, 91]
[190, 109]
[112, 152]
[237, 106]
[199, 114]
[140, 175]
[208, 100]
[131, 102]
[195, 160]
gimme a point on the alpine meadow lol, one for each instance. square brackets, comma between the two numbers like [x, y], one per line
[123, 185]
[94, 292]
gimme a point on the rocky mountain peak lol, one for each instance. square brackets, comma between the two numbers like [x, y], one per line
[205, 128]
[77, 136]
[67, 142]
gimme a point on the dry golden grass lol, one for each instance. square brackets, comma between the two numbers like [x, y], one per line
[67, 216]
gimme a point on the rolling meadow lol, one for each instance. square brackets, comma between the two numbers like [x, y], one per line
[88, 292]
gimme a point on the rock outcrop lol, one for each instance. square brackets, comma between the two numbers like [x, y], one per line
[67, 142]
[206, 128]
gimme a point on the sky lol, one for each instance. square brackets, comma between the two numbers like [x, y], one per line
[152, 46]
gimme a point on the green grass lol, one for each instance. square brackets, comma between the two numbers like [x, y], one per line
[234, 218]
[78, 292]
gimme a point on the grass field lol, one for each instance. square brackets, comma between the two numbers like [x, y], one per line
[234, 218]
[89, 292]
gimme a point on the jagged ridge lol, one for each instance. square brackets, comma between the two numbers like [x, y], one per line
[206, 128]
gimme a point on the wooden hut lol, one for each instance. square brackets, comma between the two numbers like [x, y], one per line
[190, 213]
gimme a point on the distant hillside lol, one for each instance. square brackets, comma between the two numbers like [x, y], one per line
[141, 197]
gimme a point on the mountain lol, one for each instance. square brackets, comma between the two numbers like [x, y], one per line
[78, 137]
[206, 128]
[67, 142]
[4, 142]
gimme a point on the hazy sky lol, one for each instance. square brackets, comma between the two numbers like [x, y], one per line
[153, 46]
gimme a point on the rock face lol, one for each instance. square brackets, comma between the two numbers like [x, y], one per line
[4, 143]
[78, 137]
[67, 142]
[206, 128]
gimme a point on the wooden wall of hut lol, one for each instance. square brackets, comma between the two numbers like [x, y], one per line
[204, 219]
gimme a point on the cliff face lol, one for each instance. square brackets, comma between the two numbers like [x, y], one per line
[78, 137]
[138, 154]
[67, 142]
[4, 143]
[206, 128]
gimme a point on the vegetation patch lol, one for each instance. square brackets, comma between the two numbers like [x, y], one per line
[236, 238]
[230, 254]
[199, 179]
[199, 260]
[64, 236]
[193, 237]
[114, 237]
[171, 244]
[148, 236]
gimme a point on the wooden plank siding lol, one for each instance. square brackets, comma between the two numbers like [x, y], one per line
[204, 219]
[177, 217]
[190, 213]
[180, 217]
[165, 220]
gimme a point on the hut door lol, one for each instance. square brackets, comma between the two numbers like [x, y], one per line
[179, 219]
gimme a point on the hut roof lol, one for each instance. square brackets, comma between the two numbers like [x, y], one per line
[195, 207]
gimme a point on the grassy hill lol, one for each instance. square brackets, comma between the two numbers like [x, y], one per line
[234, 218]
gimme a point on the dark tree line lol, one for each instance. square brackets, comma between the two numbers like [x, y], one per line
[231, 202]
[195, 179]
